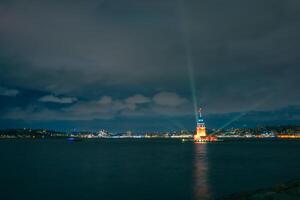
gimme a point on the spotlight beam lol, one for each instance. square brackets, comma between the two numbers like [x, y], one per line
[188, 55]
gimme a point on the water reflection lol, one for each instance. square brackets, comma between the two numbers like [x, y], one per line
[201, 187]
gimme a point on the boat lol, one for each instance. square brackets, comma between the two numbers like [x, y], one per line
[74, 139]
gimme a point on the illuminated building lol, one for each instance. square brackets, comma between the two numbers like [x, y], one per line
[201, 135]
[201, 129]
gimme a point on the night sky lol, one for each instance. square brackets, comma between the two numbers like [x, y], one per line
[146, 64]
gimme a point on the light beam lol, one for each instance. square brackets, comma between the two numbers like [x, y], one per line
[188, 56]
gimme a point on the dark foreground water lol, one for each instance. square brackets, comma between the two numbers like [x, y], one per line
[142, 169]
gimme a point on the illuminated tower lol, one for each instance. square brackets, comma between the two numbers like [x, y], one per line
[201, 130]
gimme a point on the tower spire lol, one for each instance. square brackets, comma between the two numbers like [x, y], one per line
[200, 112]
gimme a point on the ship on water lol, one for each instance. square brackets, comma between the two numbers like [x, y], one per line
[201, 135]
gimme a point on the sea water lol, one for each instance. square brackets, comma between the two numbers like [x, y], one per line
[113, 169]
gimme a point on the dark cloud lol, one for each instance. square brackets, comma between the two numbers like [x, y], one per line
[121, 57]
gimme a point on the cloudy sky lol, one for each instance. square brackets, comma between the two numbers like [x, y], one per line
[138, 64]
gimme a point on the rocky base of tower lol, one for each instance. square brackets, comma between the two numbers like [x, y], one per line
[209, 138]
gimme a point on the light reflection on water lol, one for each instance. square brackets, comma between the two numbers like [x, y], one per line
[200, 175]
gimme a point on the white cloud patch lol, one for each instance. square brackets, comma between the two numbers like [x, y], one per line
[163, 104]
[106, 108]
[105, 100]
[138, 99]
[8, 92]
[56, 99]
[169, 99]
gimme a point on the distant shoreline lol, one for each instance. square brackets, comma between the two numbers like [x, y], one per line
[281, 132]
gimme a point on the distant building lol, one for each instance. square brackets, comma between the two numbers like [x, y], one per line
[128, 133]
[103, 133]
